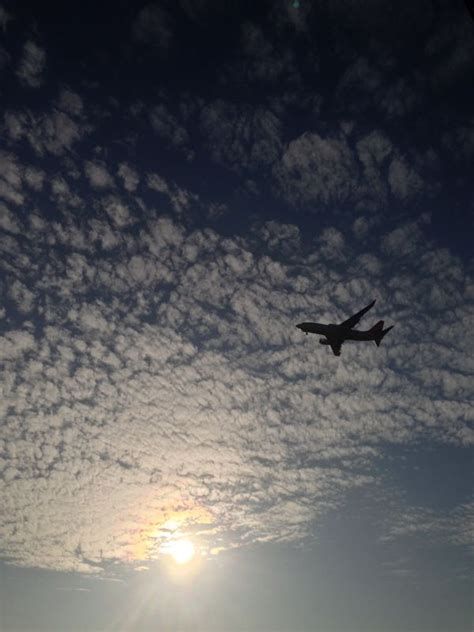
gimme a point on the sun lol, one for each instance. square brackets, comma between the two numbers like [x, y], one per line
[182, 551]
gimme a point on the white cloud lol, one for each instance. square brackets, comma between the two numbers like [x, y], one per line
[117, 210]
[129, 176]
[455, 528]
[316, 170]
[360, 227]
[283, 238]
[402, 241]
[180, 199]
[11, 179]
[22, 297]
[70, 102]
[241, 137]
[54, 132]
[168, 382]
[404, 180]
[34, 178]
[32, 65]
[166, 125]
[157, 183]
[332, 244]
[8, 221]
[62, 194]
[98, 175]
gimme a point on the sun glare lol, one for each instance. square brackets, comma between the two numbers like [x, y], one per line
[182, 551]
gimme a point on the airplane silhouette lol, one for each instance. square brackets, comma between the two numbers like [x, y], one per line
[336, 335]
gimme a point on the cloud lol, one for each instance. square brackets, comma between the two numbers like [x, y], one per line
[11, 179]
[34, 178]
[157, 183]
[332, 244]
[399, 98]
[373, 151]
[21, 296]
[167, 126]
[70, 102]
[98, 175]
[367, 84]
[62, 194]
[164, 388]
[117, 211]
[129, 176]
[55, 132]
[316, 171]
[241, 137]
[14, 176]
[8, 221]
[282, 238]
[32, 65]
[453, 528]
[179, 198]
[404, 180]
[153, 384]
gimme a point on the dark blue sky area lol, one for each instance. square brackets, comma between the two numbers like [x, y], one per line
[403, 71]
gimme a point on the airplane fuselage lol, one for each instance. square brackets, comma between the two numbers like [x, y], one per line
[335, 332]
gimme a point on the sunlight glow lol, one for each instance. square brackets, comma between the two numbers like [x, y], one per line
[182, 551]
[164, 528]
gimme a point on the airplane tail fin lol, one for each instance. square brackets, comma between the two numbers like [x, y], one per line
[379, 332]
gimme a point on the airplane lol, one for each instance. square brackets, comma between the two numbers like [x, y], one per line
[336, 335]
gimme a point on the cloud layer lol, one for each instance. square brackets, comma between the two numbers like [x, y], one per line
[153, 376]
[153, 384]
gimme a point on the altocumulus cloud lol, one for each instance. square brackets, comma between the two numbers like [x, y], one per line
[152, 376]
[32, 65]
[52, 132]
[321, 171]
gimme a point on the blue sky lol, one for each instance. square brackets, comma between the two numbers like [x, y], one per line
[180, 184]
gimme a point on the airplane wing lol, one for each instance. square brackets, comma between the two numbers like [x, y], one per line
[351, 322]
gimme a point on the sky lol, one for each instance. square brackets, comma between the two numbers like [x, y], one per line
[181, 183]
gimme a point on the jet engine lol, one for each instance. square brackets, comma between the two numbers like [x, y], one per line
[323, 341]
